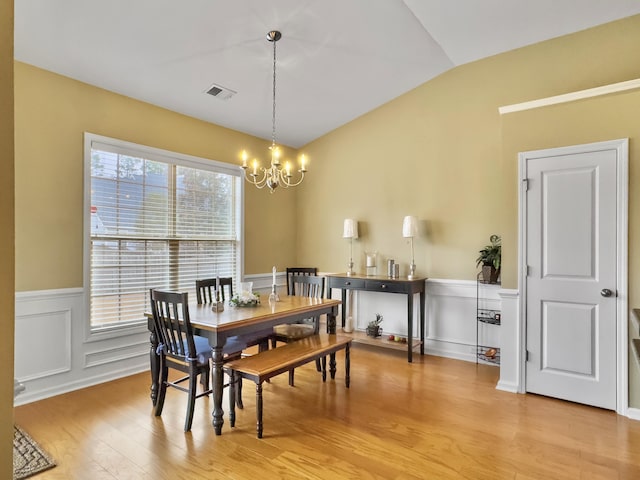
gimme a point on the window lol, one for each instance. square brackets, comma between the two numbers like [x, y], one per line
[158, 220]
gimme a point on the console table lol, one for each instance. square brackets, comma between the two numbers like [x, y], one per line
[385, 284]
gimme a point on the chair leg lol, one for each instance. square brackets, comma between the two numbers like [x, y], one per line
[332, 365]
[193, 385]
[233, 378]
[324, 369]
[204, 380]
[347, 365]
[318, 366]
[291, 375]
[162, 392]
[239, 392]
[259, 409]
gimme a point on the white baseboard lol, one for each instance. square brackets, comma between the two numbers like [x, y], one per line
[633, 413]
[507, 386]
[33, 395]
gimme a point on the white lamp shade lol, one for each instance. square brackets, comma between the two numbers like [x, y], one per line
[350, 228]
[410, 226]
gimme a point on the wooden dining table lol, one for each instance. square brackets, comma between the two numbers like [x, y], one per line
[217, 327]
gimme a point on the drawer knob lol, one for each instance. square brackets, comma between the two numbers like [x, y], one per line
[347, 283]
[383, 286]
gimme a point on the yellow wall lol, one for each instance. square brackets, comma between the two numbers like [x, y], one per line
[52, 112]
[435, 152]
[6, 238]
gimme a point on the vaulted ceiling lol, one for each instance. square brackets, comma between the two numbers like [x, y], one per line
[337, 59]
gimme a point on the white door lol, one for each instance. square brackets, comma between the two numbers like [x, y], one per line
[571, 273]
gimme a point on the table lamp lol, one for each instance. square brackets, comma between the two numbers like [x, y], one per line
[410, 230]
[350, 231]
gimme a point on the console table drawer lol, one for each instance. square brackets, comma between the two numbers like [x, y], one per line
[346, 283]
[382, 286]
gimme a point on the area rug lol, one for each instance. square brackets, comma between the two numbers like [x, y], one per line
[28, 456]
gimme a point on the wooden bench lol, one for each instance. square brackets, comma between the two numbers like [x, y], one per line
[269, 363]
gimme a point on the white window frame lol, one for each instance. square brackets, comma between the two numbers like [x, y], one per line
[90, 139]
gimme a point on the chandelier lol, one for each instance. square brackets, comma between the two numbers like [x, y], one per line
[276, 174]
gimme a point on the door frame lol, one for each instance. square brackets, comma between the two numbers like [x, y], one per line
[622, 226]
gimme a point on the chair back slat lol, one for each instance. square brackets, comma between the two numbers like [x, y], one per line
[307, 286]
[294, 272]
[206, 289]
[172, 323]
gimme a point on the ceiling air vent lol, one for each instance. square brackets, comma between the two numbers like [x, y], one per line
[220, 92]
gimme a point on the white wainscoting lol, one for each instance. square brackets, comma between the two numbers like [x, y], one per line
[450, 315]
[53, 354]
[451, 318]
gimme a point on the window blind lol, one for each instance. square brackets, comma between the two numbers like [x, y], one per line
[156, 222]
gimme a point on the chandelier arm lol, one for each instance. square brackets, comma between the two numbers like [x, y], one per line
[252, 178]
[286, 181]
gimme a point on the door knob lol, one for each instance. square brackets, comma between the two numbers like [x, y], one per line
[605, 292]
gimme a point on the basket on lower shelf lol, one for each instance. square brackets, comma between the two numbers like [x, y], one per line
[489, 354]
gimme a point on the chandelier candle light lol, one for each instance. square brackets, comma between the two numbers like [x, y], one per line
[350, 231]
[410, 230]
[276, 174]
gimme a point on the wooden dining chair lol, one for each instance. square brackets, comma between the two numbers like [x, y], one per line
[180, 349]
[206, 289]
[304, 286]
[293, 272]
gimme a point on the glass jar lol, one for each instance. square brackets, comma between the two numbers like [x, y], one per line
[372, 263]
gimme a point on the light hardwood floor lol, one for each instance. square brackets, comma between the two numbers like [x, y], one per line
[434, 419]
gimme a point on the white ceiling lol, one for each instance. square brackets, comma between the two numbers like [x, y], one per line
[337, 59]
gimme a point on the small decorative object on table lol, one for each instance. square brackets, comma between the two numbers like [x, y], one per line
[273, 297]
[245, 300]
[218, 305]
[372, 263]
[374, 329]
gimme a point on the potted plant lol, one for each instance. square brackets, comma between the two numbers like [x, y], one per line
[490, 258]
[374, 329]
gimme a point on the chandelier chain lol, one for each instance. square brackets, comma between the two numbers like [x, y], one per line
[273, 115]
